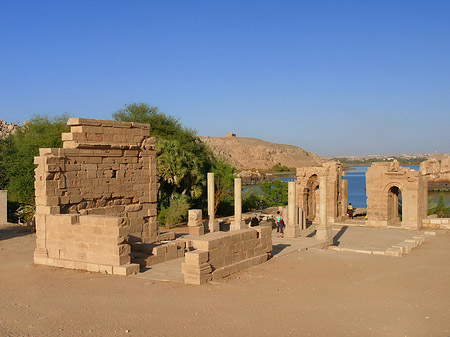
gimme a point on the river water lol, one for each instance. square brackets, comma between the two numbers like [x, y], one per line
[356, 192]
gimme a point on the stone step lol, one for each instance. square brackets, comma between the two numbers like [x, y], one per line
[150, 254]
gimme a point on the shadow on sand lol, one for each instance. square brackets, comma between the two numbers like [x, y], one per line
[277, 249]
[338, 235]
[12, 231]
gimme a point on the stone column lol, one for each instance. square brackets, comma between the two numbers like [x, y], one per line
[344, 197]
[3, 207]
[213, 225]
[292, 228]
[301, 219]
[323, 229]
[238, 223]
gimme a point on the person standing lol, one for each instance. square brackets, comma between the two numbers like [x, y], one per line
[350, 210]
[280, 225]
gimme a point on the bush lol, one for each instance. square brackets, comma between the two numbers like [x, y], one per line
[440, 209]
[175, 213]
[252, 201]
[280, 168]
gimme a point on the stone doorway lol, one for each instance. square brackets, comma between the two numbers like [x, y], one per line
[394, 206]
[311, 195]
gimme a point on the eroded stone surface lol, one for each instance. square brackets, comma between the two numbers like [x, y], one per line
[96, 195]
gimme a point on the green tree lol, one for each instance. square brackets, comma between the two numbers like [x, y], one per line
[223, 185]
[440, 209]
[180, 171]
[253, 201]
[17, 152]
[162, 126]
[274, 193]
[182, 159]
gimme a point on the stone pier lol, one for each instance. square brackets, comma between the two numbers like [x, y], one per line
[3, 206]
[292, 228]
[195, 223]
[238, 223]
[323, 229]
[213, 225]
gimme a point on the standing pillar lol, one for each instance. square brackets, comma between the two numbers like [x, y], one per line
[344, 188]
[3, 207]
[213, 224]
[292, 228]
[238, 223]
[323, 229]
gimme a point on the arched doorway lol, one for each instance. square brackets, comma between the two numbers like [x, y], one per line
[394, 206]
[311, 194]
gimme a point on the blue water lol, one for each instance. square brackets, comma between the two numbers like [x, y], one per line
[356, 178]
[356, 192]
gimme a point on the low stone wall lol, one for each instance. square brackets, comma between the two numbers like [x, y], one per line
[436, 223]
[89, 242]
[217, 255]
[149, 254]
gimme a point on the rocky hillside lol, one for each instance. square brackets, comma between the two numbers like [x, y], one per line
[6, 129]
[251, 153]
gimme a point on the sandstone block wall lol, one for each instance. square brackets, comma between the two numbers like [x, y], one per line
[3, 206]
[149, 254]
[436, 223]
[105, 169]
[220, 254]
[382, 208]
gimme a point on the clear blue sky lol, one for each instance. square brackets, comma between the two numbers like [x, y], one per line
[334, 77]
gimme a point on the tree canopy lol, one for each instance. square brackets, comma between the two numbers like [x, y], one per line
[17, 152]
[182, 159]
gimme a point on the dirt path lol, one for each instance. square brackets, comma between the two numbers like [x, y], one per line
[312, 293]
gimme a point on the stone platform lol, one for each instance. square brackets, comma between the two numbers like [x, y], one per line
[169, 271]
[350, 236]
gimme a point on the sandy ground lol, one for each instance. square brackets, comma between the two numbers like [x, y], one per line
[311, 293]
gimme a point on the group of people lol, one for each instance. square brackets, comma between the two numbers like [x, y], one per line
[280, 221]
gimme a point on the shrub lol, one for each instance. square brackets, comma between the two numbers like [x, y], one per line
[280, 168]
[175, 213]
[252, 201]
[440, 209]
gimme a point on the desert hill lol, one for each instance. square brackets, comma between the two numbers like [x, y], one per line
[251, 153]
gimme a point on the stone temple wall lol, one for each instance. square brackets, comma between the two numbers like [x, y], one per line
[96, 195]
[383, 181]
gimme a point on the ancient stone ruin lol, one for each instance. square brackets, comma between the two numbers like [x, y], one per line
[96, 210]
[336, 191]
[96, 196]
[436, 171]
[385, 184]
